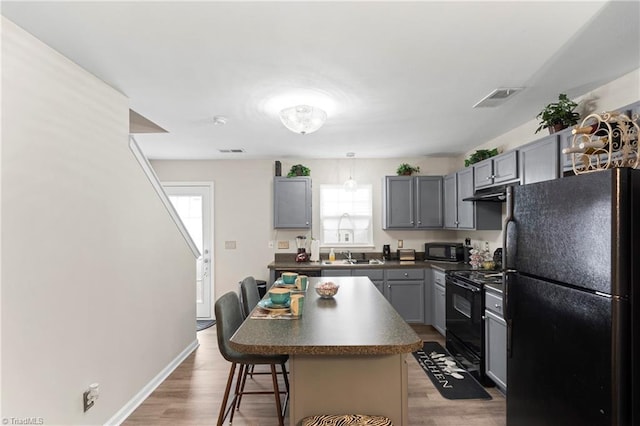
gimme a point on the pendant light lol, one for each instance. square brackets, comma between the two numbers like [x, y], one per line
[351, 184]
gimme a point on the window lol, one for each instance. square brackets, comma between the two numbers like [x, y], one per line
[346, 216]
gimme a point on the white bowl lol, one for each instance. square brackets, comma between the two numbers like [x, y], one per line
[327, 289]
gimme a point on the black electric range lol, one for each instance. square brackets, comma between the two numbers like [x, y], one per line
[465, 318]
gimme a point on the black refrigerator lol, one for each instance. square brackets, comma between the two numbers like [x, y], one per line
[571, 250]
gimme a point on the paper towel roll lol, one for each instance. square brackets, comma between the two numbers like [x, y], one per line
[315, 251]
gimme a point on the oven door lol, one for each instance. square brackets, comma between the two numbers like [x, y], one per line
[464, 314]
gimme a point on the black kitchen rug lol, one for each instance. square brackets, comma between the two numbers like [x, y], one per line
[204, 324]
[451, 381]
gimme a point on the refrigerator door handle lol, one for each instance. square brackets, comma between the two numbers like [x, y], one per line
[508, 279]
[509, 236]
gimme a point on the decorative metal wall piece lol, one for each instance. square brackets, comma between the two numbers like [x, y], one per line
[603, 141]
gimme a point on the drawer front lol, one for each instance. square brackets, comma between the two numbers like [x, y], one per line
[493, 303]
[372, 274]
[405, 274]
[439, 278]
[335, 272]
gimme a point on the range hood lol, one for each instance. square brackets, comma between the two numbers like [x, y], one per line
[495, 193]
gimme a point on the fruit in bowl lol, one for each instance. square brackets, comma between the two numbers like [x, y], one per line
[327, 289]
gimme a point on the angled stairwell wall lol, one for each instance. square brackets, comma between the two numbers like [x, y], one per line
[97, 283]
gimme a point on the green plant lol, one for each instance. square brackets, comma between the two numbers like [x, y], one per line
[558, 115]
[405, 169]
[479, 155]
[299, 170]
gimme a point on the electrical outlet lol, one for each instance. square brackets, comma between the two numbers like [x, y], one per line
[400, 243]
[90, 396]
[230, 245]
[283, 245]
[271, 244]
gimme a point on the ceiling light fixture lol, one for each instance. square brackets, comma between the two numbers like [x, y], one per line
[350, 184]
[303, 119]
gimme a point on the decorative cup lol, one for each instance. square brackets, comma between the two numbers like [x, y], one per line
[289, 277]
[297, 303]
[279, 295]
[301, 282]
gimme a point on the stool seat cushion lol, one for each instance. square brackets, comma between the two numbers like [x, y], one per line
[346, 420]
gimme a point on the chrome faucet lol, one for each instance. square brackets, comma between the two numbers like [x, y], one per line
[347, 254]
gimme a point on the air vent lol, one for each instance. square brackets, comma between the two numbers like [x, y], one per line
[231, 151]
[497, 97]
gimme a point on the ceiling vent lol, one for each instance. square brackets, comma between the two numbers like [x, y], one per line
[231, 151]
[497, 97]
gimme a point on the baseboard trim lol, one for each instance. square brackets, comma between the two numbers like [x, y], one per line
[144, 393]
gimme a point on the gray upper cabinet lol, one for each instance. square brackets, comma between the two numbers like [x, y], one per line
[412, 202]
[459, 214]
[292, 202]
[540, 160]
[496, 170]
[450, 201]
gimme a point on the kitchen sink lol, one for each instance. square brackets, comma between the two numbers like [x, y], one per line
[346, 262]
[337, 262]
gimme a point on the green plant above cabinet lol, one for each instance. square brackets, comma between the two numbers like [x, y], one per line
[292, 203]
[412, 202]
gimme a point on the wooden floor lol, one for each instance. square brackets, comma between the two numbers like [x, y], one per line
[192, 394]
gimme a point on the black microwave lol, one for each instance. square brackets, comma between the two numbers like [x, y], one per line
[448, 252]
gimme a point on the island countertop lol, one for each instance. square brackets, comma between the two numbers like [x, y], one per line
[357, 321]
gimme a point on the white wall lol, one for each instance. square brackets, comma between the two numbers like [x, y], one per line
[97, 283]
[244, 206]
[617, 94]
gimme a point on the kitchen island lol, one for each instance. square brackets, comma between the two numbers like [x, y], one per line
[347, 354]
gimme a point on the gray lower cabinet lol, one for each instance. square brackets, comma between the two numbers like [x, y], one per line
[405, 292]
[375, 275]
[459, 214]
[412, 202]
[292, 202]
[438, 299]
[540, 161]
[335, 272]
[495, 329]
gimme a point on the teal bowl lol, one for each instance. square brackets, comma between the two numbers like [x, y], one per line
[289, 277]
[279, 295]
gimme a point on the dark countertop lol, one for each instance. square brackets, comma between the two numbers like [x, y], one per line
[357, 321]
[389, 264]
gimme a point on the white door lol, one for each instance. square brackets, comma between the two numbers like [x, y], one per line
[193, 203]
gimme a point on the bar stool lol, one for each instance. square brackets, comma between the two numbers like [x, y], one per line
[228, 319]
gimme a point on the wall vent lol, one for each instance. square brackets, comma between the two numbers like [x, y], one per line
[497, 97]
[231, 151]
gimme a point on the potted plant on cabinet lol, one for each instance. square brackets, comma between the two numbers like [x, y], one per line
[405, 169]
[299, 170]
[558, 115]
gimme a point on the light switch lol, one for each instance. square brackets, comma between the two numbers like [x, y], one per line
[230, 245]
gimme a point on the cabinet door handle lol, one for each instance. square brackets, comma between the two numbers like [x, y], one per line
[498, 306]
[489, 177]
[406, 274]
[419, 222]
